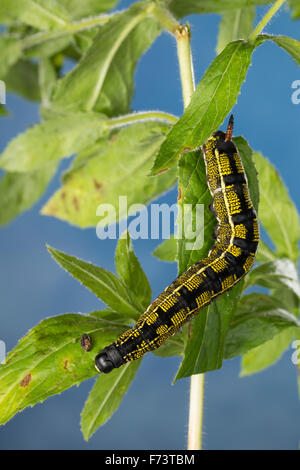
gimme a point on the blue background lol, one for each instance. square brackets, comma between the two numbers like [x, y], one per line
[257, 412]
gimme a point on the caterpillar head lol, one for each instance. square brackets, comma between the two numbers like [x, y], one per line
[108, 359]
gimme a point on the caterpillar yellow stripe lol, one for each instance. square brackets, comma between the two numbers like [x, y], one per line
[230, 258]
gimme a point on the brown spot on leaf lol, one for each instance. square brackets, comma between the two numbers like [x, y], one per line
[163, 170]
[97, 185]
[114, 138]
[66, 364]
[25, 382]
[63, 195]
[76, 203]
[179, 194]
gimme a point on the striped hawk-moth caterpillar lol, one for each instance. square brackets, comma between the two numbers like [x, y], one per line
[230, 258]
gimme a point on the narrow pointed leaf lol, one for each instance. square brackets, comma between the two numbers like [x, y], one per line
[102, 283]
[131, 272]
[167, 250]
[105, 397]
[49, 359]
[214, 97]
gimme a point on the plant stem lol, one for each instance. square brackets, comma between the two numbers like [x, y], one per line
[166, 19]
[183, 38]
[141, 116]
[274, 8]
[196, 412]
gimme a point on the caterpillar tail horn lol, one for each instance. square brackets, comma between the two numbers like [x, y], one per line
[229, 129]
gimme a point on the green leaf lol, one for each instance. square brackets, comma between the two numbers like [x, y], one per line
[204, 346]
[111, 315]
[173, 347]
[258, 319]
[264, 253]
[188, 7]
[167, 250]
[41, 14]
[266, 354]
[214, 97]
[247, 157]
[22, 78]
[130, 271]
[104, 284]
[79, 9]
[295, 4]
[114, 167]
[290, 45]
[48, 44]
[103, 79]
[10, 51]
[3, 111]
[49, 359]
[277, 212]
[194, 191]
[51, 140]
[19, 191]
[287, 298]
[235, 24]
[275, 274]
[47, 79]
[105, 397]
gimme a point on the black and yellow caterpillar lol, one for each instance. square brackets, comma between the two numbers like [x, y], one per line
[231, 257]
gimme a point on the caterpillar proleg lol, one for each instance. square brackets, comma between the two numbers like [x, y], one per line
[230, 258]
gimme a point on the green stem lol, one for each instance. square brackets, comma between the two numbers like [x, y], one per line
[142, 116]
[183, 38]
[259, 28]
[165, 18]
[78, 26]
